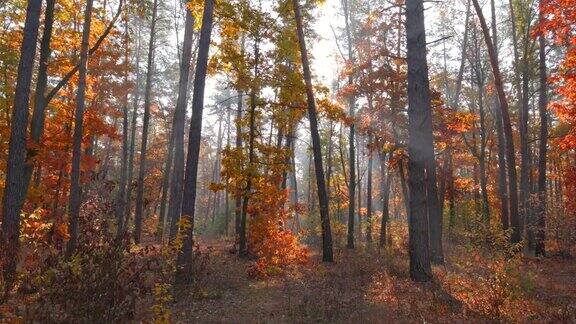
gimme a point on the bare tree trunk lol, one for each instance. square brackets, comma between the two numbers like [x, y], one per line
[165, 187]
[507, 126]
[39, 112]
[480, 153]
[525, 154]
[352, 158]
[15, 191]
[434, 216]
[448, 167]
[177, 179]
[238, 193]
[294, 183]
[359, 178]
[502, 182]
[309, 184]
[404, 186]
[451, 198]
[327, 255]
[386, 177]
[369, 195]
[75, 187]
[121, 194]
[522, 69]
[217, 170]
[482, 166]
[227, 194]
[184, 261]
[329, 162]
[420, 136]
[540, 234]
[124, 224]
[145, 126]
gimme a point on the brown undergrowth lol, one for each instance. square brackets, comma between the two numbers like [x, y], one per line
[371, 283]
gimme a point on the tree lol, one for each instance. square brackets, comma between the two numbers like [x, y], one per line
[555, 19]
[14, 192]
[243, 248]
[502, 182]
[352, 161]
[238, 192]
[327, 255]
[75, 186]
[184, 261]
[385, 175]
[146, 124]
[39, 114]
[121, 194]
[420, 145]
[123, 226]
[539, 246]
[369, 194]
[176, 184]
[507, 126]
[165, 187]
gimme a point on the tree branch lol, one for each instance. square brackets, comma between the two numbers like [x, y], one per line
[92, 50]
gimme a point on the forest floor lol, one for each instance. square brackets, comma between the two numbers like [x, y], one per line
[475, 284]
[373, 285]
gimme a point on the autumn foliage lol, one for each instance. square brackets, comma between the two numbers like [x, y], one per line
[249, 243]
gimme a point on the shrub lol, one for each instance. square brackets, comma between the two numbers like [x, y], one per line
[99, 283]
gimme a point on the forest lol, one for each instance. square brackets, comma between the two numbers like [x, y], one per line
[291, 161]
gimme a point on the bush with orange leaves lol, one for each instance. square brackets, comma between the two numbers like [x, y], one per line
[269, 238]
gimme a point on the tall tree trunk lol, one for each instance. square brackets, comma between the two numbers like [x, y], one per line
[251, 154]
[217, 177]
[227, 194]
[521, 68]
[145, 126]
[75, 186]
[502, 182]
[434, 216]
[480, 153]
[369, 195]
[351, 151]
[385, 182]
[165, 187]
[294, 183]
[359, 188]
[309, 184]
[482, 167]
[451, 198]
[329, 162]
[404, 186]
[14, 190]
[39, 112]
[327, 255]
[447, 167]
[177, 179]
[540, 236]
[507, 126]
[420, 136]
[525, 154]
[124, 224]
[238, 193]
[184, 261]
[121, 194]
